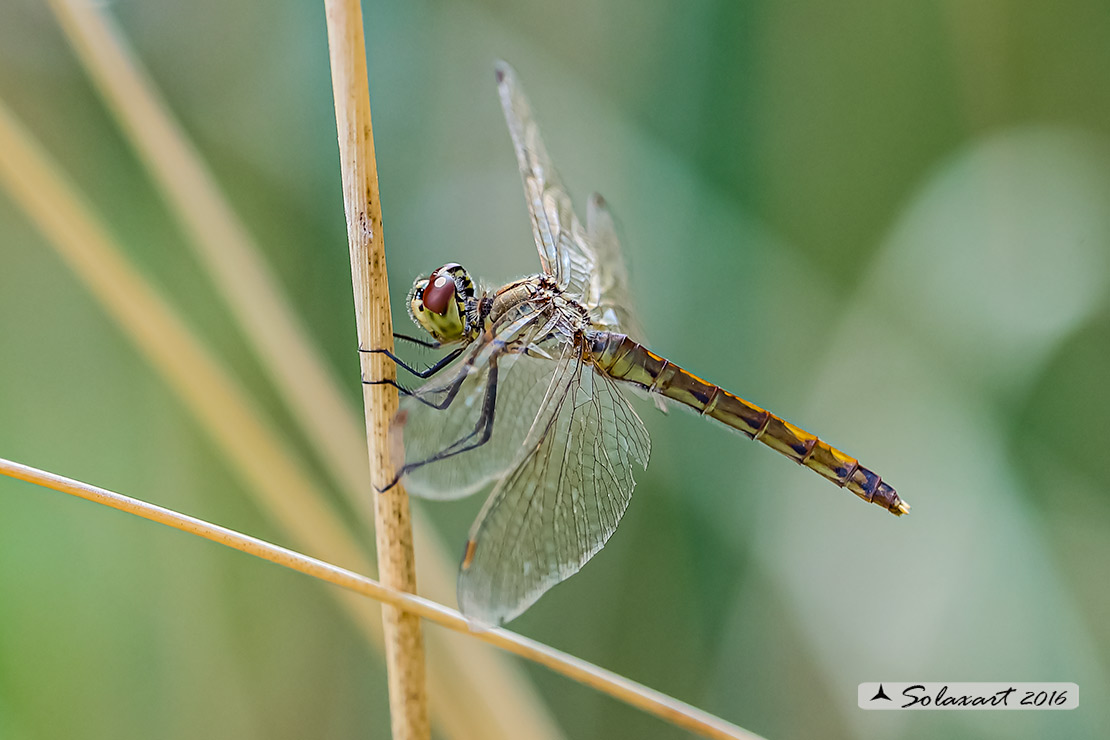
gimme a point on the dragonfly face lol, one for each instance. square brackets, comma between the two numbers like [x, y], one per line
[442, 304]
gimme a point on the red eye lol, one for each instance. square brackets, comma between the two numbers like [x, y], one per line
[438, 294]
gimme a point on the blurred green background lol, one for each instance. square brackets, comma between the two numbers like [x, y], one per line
[887, 222]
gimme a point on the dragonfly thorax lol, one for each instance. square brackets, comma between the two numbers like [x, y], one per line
[444, 305]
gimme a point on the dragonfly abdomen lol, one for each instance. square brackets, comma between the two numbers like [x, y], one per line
[624, 359]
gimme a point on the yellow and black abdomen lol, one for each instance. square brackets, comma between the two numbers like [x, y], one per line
[624, 359]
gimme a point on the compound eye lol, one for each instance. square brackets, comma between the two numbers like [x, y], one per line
[437, 296]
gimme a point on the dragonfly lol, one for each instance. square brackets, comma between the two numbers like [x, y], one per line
[531, 398]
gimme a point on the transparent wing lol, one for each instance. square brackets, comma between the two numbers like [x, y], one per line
[494, 383]
[561, 501]
[609, 301]
[565, 252]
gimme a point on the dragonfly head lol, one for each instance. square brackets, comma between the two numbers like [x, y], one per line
[438, 304]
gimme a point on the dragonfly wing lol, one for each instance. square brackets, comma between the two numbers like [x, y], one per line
[609, 300]
[424, 432]
[565, 251]
[561, 501]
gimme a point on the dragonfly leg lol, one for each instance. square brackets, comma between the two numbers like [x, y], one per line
[426, 372]
[405, 338]
[451, 388]
[417, 340]
[477, 437]
[388, 381]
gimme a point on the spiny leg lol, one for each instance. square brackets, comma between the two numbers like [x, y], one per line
[400, 388]
[483, 427]
[452, 388]
[427, 372]
[417, 340]
[405, 338]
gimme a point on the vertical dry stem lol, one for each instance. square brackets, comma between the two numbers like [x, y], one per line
[396, 566]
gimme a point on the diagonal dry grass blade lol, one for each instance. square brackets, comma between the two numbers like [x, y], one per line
[496, 700]
[270, 469]
[223, 246]
[648, 700]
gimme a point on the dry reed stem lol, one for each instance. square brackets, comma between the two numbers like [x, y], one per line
[648, 700]
[475, 692]
[404, 640]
